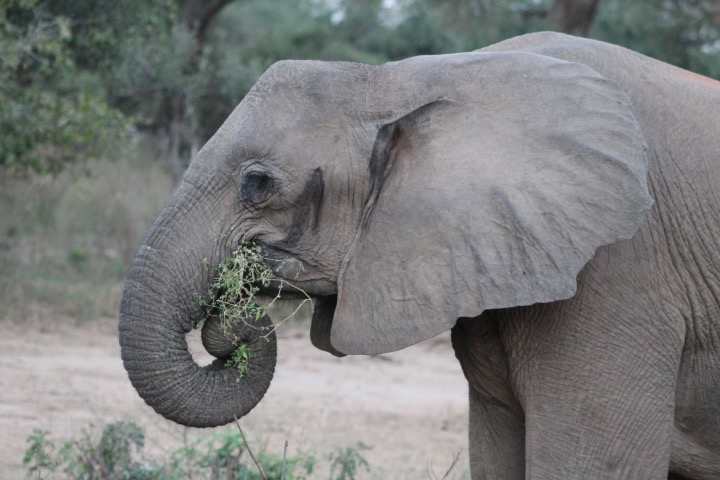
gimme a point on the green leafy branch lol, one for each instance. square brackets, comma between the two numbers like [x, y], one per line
[238, 285]
[235, 297]
[240, 359]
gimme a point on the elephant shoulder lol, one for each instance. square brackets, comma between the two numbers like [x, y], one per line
[560, 46]
[609, 60]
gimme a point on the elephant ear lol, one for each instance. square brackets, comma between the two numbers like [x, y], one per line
[496, 176]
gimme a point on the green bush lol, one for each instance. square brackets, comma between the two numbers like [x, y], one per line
[119, 454]
[112, 457]
[347, 462]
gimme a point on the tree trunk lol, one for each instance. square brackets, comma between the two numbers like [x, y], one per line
[572, 16]
[183, 141]
[197, 15]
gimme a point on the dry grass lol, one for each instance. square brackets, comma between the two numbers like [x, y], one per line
[66, 241]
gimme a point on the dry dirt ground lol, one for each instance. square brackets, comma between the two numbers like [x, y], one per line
[404, 412]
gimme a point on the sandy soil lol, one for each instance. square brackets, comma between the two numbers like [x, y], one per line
[403, 411]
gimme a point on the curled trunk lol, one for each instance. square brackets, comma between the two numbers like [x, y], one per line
[160, 306]
[166, 376]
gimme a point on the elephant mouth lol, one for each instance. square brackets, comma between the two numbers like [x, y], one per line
[295, 279]
[288, 287]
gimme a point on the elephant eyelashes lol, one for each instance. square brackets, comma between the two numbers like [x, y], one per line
[256, 187]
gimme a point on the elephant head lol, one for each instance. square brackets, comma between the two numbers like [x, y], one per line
[408, 195]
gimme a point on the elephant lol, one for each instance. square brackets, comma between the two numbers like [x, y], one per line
[553, 201]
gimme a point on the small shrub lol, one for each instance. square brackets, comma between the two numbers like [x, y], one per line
[347, 462]
[118, 455]
[225, 455]
[114, 451]
[40, 458]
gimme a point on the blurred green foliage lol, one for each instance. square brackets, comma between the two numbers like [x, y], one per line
[685, 33]
[119, 454]
[75, 75]
[51, 113]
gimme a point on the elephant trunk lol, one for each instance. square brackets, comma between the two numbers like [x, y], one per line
[160, 305]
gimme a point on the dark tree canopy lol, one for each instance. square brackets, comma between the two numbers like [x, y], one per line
[77, 77]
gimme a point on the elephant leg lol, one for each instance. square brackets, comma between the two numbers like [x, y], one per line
[497, 440]
[597, 390]
[496, 427]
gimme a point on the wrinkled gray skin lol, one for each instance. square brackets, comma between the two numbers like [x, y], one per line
[559, 196]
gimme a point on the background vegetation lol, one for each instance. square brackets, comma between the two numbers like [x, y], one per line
[118, 453]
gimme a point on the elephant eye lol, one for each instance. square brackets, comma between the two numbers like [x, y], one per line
[256, 187]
